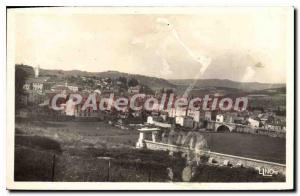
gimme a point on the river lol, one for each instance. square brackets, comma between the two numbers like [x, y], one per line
[248, 145]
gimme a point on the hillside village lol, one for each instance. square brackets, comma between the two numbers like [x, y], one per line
[40, 86]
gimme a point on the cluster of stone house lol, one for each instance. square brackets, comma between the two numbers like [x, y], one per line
[199, 119]
[40, 90]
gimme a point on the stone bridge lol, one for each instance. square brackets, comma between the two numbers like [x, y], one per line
[222, 126]
[188, 145]
[220, 158]
[233, 127]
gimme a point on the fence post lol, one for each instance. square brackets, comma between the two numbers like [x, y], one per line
[53, 167]
[108, 177]
[149, 176]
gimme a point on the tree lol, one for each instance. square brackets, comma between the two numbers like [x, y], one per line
[21, 74]
[122, 79]
[108, 80]
[169, 91]
[145, 89]
[133, 82]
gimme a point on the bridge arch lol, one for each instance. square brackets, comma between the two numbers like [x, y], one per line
[223, 128]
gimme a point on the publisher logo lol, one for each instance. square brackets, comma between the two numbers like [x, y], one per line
[266, 171]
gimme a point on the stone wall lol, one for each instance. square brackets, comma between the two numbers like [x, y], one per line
[225, 159]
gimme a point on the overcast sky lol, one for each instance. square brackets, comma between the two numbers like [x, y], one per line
[241, 45]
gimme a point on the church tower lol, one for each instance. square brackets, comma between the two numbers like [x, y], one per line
[36, 71]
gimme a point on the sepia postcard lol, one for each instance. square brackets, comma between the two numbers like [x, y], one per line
[150, 98]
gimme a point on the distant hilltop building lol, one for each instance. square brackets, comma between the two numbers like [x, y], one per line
[35, 89]
[36, 84]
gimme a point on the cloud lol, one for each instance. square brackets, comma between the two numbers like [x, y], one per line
[259, 65]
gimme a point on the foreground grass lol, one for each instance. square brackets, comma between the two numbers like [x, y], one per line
[47, 151]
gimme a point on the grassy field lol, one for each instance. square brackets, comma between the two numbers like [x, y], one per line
[102, 135]
[81, 134]
[77, 151]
